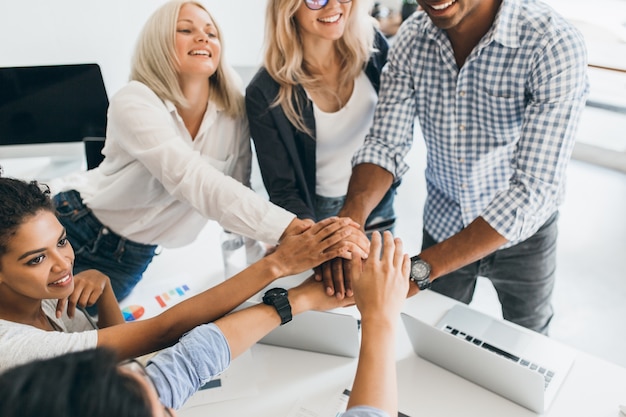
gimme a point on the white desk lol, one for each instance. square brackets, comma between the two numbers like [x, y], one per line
[594, 387]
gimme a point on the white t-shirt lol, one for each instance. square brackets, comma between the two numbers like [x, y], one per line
[158, 186]
[20, 343]
[338, 135]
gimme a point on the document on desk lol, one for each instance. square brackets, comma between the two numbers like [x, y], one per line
[238, 381]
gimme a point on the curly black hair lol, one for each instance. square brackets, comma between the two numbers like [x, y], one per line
[18, 201]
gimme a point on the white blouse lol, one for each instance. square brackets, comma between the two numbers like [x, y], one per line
[158, 186]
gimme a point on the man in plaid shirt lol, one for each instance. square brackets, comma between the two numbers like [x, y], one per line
[498, 87]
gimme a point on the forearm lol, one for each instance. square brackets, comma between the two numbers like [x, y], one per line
[109, 313]
[474, 242]
[244, 328]
[178, 372]
[375, 383]
[368, 185]
[146, 336]
[217, 301]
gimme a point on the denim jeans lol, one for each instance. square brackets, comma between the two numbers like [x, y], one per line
[381, 218]
[98, 247]
[523, 276]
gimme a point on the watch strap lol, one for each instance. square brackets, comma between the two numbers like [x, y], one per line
[280, 302]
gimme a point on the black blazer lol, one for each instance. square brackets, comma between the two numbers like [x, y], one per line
[286, 155]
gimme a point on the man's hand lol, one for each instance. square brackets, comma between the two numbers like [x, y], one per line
[381, 285]
[336, 276]
[88, 287]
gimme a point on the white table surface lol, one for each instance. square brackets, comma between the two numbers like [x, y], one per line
[285, 377]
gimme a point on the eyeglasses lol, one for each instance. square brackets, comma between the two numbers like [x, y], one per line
[134, 366]
[320, 4]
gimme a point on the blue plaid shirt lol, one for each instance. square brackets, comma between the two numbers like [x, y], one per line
[499, 132]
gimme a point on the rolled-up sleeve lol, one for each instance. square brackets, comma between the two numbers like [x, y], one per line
[179, 371]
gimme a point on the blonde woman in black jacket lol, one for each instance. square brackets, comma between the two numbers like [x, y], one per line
[311, 104]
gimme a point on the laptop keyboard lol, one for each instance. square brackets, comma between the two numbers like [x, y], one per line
[548, 374]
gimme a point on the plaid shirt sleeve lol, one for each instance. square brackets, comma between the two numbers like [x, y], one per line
[391, 135]
[558, 88]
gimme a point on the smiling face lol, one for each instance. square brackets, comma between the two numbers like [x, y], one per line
[327, 23]
[198, 46]
[450, 14]
[38, 261]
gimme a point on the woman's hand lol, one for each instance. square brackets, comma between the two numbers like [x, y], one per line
[314, 245]
[89, 285]
[310, 295]
[296, 227]
[381, 286]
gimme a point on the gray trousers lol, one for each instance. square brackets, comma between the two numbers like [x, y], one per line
[523, 276]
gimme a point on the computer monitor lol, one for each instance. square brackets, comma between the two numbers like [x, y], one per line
[45, 113]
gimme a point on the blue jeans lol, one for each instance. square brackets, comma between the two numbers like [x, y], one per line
[382, 218]
[523, 276]
[98, 247]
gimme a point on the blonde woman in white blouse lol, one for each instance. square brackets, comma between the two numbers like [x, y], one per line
[177, 153]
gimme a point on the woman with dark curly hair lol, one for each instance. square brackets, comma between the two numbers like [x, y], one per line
[39, 293]
[92, 383]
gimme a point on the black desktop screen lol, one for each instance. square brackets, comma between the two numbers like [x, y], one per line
[48, 104]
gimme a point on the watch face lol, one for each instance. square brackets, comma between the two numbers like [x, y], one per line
[276, 292]
[420, 269]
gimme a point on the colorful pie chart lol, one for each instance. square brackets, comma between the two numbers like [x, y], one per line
[132, 313]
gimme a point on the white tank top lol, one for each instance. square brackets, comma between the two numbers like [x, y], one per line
[339, 135]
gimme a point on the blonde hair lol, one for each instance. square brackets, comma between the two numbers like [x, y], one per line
[155, 64]
[284, 55]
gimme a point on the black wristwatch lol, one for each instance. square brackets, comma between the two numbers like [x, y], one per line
[277, 297]
[420, 273]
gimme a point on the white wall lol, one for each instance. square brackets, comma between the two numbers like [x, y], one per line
[47, 32]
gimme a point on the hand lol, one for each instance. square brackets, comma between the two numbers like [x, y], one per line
[314, 245]
[382, 284]
[358, 243]
[336, 275]
[310, 295]
[413, 289]
[296, 227]
[88, 287]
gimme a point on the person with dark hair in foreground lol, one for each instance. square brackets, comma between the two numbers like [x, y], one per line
[92, 382]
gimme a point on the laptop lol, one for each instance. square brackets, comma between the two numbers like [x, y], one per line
[336, 332]
[516, 363]
[319, 331]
